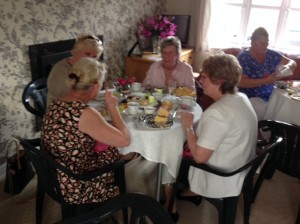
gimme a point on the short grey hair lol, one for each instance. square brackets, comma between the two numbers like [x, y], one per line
[171, 41]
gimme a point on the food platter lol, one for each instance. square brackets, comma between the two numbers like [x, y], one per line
[148, 121]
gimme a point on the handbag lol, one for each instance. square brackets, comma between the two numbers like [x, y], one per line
[19, 170]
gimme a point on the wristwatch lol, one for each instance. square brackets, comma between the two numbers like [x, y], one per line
[190, 129]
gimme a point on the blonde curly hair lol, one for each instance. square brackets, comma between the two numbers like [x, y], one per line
[86, 72]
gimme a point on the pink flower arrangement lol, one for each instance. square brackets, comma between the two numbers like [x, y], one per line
[157, 26]
[126, 80]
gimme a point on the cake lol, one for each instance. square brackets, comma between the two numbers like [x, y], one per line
[160, 120]
[163, 112]
[161, 116]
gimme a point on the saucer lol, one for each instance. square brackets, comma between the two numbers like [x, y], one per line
[126, 112]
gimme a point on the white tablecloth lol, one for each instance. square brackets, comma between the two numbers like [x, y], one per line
[282, 107]
[160, 146]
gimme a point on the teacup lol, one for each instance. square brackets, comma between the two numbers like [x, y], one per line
[187, 101]
[136, 86]
[133, 107]
[158, 96]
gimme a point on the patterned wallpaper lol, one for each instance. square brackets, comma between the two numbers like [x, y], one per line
[27, 22]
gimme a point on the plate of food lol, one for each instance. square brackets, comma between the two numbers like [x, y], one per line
[161, 120]
[126, 112]
[296, 97]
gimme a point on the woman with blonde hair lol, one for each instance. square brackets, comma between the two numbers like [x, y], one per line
[86, 45]
[71, 128]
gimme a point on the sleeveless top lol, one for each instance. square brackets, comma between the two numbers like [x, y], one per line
[62, 139]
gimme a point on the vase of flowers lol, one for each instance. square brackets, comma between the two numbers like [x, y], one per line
[156, 44]
[125, 83]
[158, 27]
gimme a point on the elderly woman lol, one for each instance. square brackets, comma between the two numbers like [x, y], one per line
[220, 139]
[71, 128]
[86, 45]
[170, 69]
[259, 70]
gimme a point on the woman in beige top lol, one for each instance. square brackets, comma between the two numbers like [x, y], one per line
[86, 45]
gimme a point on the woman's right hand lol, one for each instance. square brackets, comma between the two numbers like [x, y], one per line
[272, 78]
[111, 100]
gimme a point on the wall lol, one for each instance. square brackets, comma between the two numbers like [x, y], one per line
[27, 22]
[179, 7]
[187, 7]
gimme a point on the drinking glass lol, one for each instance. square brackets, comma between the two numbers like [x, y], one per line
[172, 85]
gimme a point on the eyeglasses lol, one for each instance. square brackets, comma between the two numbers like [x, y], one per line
[262, 44]
[168, 54]
[92, 38]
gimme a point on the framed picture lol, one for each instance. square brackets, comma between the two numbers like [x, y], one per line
[138, 43]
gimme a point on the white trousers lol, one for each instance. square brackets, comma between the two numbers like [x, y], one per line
[259, 106]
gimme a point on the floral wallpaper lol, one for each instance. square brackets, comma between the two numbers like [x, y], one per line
[27, 22]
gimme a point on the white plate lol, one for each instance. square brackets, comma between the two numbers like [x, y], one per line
[126, 112]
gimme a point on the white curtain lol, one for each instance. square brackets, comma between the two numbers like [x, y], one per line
[202, 15]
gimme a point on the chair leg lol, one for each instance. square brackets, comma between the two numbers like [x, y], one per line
[298, 217]
[262, 175]
[230, 208]
[173, 197]
[247, 194]
[219, 205]
[40, 196]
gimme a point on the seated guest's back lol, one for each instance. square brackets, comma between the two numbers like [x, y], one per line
[86, 45]
[71, 128]
[226, 135]
[170, 68]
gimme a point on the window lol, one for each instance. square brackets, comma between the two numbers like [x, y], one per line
[233, 21]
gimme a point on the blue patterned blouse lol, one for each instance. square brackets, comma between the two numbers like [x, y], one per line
[253, 69]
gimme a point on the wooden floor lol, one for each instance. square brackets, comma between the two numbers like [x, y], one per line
[277, 202]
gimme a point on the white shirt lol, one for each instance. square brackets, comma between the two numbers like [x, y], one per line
[229, 127]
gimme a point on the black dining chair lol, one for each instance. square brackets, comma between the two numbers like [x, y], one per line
[142, 209]
[47, 183]
[286, 158]
[34, 97]
[227, 206]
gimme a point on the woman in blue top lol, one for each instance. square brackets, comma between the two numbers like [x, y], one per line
[259, 70]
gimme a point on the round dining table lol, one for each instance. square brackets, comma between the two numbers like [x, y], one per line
[163, 146]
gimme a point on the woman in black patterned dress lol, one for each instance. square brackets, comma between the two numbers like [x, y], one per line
[71, 128]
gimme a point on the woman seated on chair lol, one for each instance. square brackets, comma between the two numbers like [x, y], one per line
[170, 69]
[226, 134]
[71, 128]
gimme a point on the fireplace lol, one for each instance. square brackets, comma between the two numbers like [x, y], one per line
[44, 56]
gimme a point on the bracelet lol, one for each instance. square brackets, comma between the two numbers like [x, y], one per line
[187, 130]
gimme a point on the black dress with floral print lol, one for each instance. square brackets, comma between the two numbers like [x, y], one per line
[62, 139]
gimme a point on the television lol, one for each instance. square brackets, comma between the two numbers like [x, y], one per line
[182, 23]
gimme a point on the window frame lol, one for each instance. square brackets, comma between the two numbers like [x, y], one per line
[278, 42]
